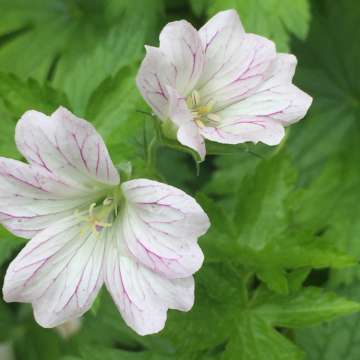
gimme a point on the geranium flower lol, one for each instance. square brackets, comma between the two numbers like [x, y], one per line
[139, 238]
[220, 84]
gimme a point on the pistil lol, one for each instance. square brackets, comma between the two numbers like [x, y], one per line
[203, 115]
[98, 216]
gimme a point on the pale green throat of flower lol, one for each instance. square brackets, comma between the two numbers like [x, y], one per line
[203, 114]
[102, 215]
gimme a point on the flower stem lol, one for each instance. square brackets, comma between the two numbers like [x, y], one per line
[152, 152]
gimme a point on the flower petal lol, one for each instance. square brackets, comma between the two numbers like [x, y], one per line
[221, 37]
[243, 72]
[66, 146]
[141, 295]
[154, 75]
[31, 198]
[181, 44]
[240, 129]
[236, 62]
[161, 225]
[188, 132]
[60, 272]
[276, 98]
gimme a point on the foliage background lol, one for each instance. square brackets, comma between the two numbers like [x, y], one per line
[282, 254]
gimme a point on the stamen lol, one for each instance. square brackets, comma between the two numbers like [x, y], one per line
[91, 209]
[195, 96]
[213, 118]
[108, 201]
[202, 114]
[95, 221]
[199, 123]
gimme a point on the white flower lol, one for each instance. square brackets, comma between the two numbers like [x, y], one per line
[221, 84]
[139, 238]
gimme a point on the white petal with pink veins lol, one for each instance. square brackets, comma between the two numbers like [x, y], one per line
[276, 98]
[31, 198]
[60, 272]
[221, 37]
[154, 75]
[141, 295]
[240, 129]
[181, 44]
[66, 146]
[284, 103]
[161, 225]
[241, 74]
[241, 91]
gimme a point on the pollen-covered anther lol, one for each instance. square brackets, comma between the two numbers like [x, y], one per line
[96, 221]
[202, 114]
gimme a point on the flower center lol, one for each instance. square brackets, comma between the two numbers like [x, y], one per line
[203, 114]
[100, 216]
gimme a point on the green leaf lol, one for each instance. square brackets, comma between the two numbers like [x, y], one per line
[275, 19]
[219, 242]
[36, 343]
[220, 294]
[122, 45]
[199, 6]
[92, 353]
[333, 62]
[113, 109]
[16, 97]
[255, 339]
[307, 307]
[8, 244]
[334, 189]
[297, 277]
[260, 202]
[268, 233]
[79, 27]
[19, 96]
[246, 325]
[339, 339]
[106, 327]
[6, 321]
[233, 167]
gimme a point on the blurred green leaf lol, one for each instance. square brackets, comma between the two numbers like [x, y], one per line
[7, 143]
[260, 202]
[8, 243]
[220, 294]
[6, 321]
[19, 96]
[275, 19]
[330, 205]
[245, 325]
[232, 167]
[92, 353]
[37, 344]
[338, 339]
[16, 97]
[254, 339]
[199, 6]
[106, 328]
[328, 70]
[61, 32]
[306, 307]
[79, 74]
[114, 110]
[267, 231]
